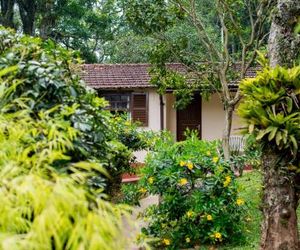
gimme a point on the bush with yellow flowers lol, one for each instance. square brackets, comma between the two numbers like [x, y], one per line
[199, 203]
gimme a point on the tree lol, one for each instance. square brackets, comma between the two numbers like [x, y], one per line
[281, 190]
[229, 46]
[81, 25]
[271, 109]
[7, 13]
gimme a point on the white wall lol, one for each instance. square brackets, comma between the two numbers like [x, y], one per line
[213, 119]
[153, 117]
[171, 114]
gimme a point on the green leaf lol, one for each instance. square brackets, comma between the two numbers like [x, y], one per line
[273, 133]
[278, 138]
[8, 70]
[295, 144]
[289, 104]
[251, 128]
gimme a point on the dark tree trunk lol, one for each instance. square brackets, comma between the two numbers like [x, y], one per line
[27, 12]
[48, 19]
[279, 228]
[7, 13]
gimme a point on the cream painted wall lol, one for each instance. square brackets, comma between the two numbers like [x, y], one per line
[213, 116]
[213, 119]
[171, 123]
[153, 116]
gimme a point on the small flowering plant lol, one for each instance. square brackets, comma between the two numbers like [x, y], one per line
[199, 196]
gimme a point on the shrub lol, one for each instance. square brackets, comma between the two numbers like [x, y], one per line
[131, 194]
[270, 109]
[45, 203]
[251, 155]
[199, 197]
[46, 75]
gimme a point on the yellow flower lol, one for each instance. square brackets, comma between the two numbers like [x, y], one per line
[143, 190]
[190, 165]
[248, 219]
[208, 153]
[215, 159]
[189, 213]
[127, 123]
[209, 217]
[150, 180]
[217, 235]
[182, 163]
[183, 181]
[240, 202]
[228, 178]
[187, 240]
[166, 242]
[227, 181]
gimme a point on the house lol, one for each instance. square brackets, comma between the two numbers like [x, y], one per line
[127, 88]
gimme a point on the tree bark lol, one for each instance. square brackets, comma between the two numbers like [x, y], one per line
[279, 228]
[7, 13]
[227, 131]
[283, 41]
[48, 19]
[280, 198]
[27, 10]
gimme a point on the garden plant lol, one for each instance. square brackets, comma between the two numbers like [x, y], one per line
[199, 199]
[58, 153]
[270, 108]
[47, 75]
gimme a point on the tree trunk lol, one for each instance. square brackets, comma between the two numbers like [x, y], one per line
[7, 13]
[279, 228]
[27, 10]
[283, 41]
[47, 20]
[227, 130]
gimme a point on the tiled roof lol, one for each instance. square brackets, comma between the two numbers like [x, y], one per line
[120, 76]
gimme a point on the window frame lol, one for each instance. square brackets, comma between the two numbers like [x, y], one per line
[130, 104]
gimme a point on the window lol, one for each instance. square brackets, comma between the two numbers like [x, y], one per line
[139, 110]
[118, 102]
[136, 104]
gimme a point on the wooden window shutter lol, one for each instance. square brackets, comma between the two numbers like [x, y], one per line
[139, 109]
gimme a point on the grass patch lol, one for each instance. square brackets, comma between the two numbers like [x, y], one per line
[251, 186]
[251, 190]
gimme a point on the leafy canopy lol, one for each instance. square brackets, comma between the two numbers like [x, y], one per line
[270, 108]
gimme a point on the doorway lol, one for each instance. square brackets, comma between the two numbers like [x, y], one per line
[190, 117]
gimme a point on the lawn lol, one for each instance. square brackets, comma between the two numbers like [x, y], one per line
[251, 185]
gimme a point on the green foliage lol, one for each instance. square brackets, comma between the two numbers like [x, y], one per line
[45, 203]
[270, 108]
[131, 194]
[44, 76]
[129, 134]
[83, 25]
[149, 16]
[199, 198]
[251, 155]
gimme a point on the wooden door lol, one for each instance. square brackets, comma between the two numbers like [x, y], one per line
[190, 117]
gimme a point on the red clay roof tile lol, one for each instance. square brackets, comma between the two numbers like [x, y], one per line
[120, 76]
